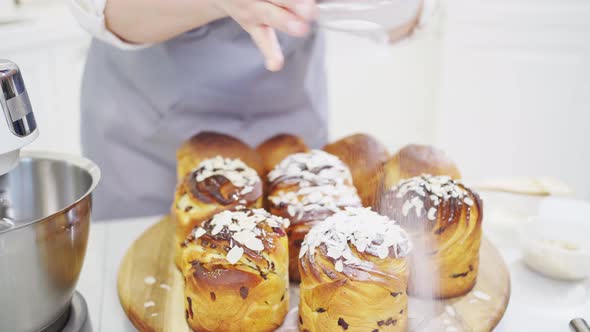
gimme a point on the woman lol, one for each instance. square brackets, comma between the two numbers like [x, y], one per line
[160, 71]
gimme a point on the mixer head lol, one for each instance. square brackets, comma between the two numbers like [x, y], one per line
[18, 128]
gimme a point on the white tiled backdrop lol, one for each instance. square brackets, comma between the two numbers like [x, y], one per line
[502, 85]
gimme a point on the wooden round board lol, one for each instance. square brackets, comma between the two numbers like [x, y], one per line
[151, 291]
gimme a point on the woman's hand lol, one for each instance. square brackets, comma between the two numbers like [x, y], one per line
[155, 21]
[260, 18]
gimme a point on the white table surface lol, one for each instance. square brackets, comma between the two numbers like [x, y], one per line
[536, 304]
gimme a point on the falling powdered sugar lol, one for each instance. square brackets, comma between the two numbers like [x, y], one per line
[362, 228]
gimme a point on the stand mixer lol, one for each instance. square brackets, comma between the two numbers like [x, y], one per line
[45, 208]
[20, 127]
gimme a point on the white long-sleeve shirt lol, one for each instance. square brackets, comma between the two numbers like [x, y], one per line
[90, 15]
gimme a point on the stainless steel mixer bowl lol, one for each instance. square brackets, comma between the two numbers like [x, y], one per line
[45, 205]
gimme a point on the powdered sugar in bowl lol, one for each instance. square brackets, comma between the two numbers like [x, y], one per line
[556, 243]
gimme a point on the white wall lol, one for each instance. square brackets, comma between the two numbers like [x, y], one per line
[515, 88]
[388, 91]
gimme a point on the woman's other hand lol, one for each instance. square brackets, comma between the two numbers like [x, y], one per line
[261, 19]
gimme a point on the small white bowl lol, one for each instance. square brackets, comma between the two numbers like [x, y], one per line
[557, 243]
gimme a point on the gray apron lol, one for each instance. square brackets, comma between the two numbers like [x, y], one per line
[139, 106]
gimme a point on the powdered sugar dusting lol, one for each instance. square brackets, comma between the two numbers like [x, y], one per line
[481, 295]
[324, 182]
[235, 170]
[149, 280]
[433, 188]
[362, 228]
[244, 227]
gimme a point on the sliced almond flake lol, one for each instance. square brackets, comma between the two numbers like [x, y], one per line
[347, 255]
[236, 171]
[223, 218]
[406, 208]
[254, 244]
[234, 254]
[481, 295]
[246, 190]
[439, 186]
[329, 188]
[217, 229]
[234, 227]
[432, 213]
[302, 251]
[383, 252]
[339, 266]
[362, 228]
[418, 204]
[248, 224]
[198, 232]
[362, 246]
[243, 236]
[314, 196]
[291, 210]
[334, 252]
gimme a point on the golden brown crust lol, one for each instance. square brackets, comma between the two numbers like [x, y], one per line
[413, 160]
[379, 294]
[196, 201]
[296, 233]
[276, 148]
[365, 157]
[298, 228]
[249, 295]
[446, 239]
[210, 144]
